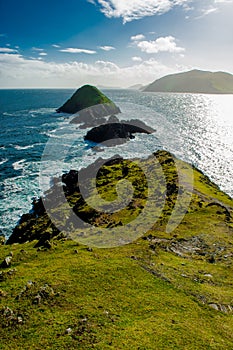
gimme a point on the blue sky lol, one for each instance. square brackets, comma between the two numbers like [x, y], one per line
[111, 42]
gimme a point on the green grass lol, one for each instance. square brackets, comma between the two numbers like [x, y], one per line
[85, 97]
[126, 307]
[194, 81]
[143, 295]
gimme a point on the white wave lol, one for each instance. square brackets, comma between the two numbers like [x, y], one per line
[42, 111]
[3, 161]
[23, 147]
[19, 165]
[8, 114]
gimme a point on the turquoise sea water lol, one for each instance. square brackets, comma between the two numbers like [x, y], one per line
[197, 128]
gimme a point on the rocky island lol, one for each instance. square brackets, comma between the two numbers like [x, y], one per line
[94, 109]
[85, 97]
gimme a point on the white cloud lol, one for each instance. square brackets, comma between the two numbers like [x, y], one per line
[214, 7]
[206, 12]
[131, 10]
[137, 37]
[76, 50]
[107, 48]
[43, 54]
[56, 46]
[17, 71]
[162, 44]
[37, 49]
[107, 67]
[7, 50]
[223, 1]
[137, 59]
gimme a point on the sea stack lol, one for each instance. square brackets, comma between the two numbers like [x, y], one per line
[86, 98]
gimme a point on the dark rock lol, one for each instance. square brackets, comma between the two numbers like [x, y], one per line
[211, 259]
[6, 262]
[48, 244]
[117, 133]
[172, 189]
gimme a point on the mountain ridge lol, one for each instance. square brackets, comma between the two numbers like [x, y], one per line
[194, 81]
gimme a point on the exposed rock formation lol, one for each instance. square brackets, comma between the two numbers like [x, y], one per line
[117, 132]
[95, 115]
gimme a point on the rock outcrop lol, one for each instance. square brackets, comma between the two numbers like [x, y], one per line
[117, 132]
[95, 115]
[37, 225]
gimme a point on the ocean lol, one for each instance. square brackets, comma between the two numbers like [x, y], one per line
[195, 127]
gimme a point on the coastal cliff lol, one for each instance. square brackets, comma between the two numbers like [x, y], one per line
[147, 292]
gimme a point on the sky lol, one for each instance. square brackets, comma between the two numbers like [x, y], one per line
[111, 43]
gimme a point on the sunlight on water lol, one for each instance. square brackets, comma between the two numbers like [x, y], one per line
[198, 128]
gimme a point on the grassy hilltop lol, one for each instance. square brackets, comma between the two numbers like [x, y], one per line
[162, 291]
[194, 81]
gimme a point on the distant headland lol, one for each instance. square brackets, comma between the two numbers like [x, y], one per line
[194, 81]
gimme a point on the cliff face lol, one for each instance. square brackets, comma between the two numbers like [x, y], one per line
[37, 225]
[194, 81]
[86, 97]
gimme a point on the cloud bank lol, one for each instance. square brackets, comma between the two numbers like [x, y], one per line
[18, 71]
[131, 10]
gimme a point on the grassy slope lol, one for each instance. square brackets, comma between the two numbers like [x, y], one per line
[194, 82]
[85, 97]
[139, 296]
